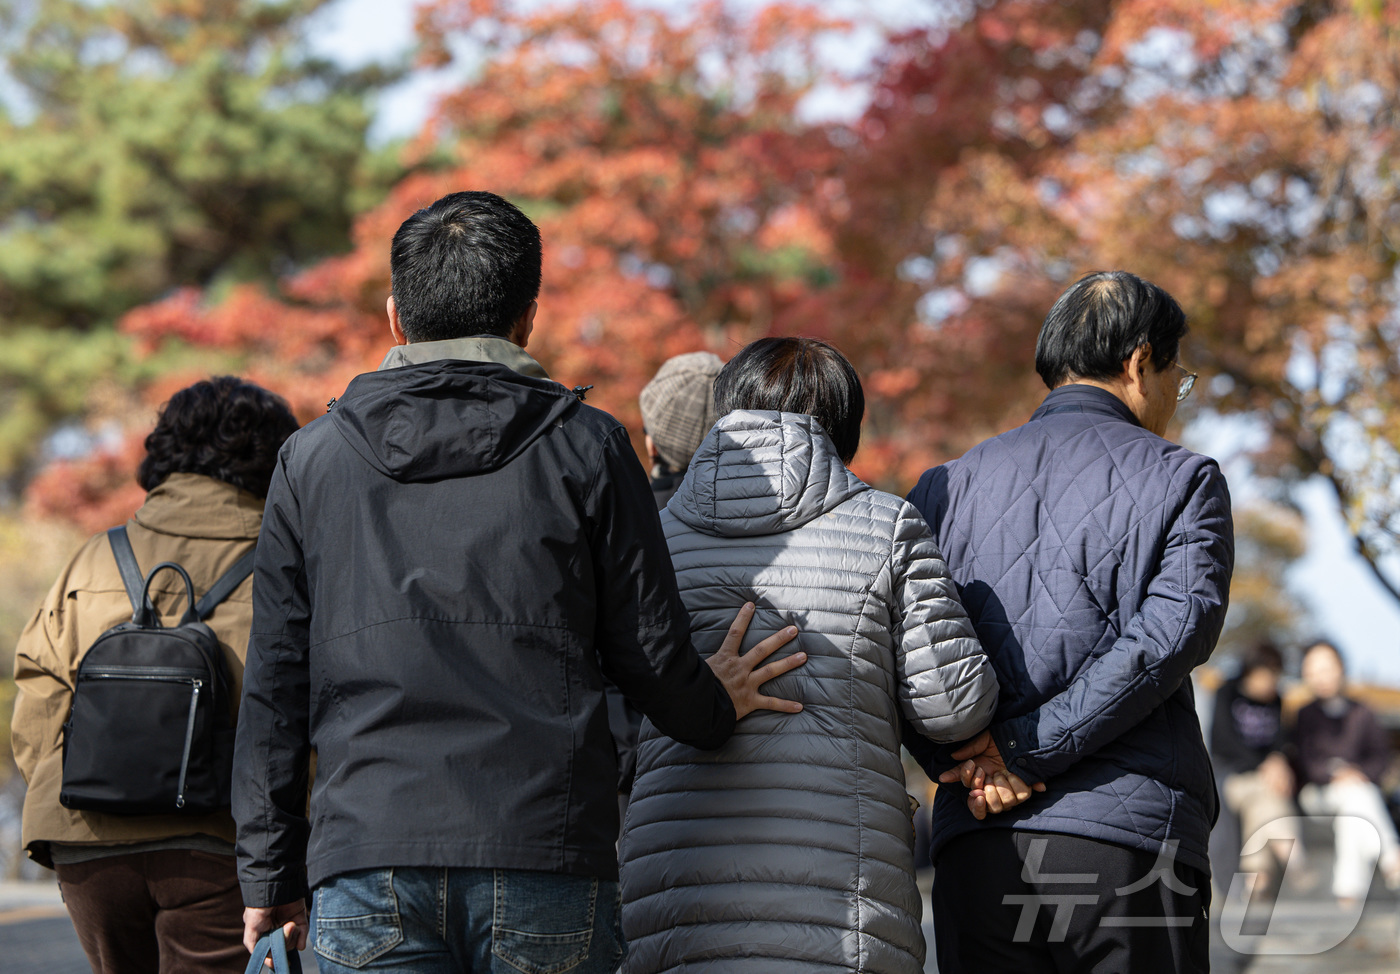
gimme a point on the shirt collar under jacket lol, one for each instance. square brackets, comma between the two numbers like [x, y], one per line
[479, 348]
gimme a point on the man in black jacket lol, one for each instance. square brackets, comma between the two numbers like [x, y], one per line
[450, 562]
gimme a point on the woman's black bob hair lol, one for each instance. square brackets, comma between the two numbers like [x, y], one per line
[223, 428]
[796, 375]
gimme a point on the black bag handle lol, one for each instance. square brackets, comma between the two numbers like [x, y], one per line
[273, 946]
[132, 579]
[224, 587]
[151, 618]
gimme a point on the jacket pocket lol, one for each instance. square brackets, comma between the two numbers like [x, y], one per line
[543, 922]
[357, 917]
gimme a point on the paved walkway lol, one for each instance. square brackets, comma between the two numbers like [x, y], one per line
[1295, 925]
[1370, 949]
[36, 936]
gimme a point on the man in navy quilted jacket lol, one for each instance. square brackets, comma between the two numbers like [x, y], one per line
[1094, 557]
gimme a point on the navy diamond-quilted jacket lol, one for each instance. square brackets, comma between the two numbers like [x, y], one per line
[1094, 559]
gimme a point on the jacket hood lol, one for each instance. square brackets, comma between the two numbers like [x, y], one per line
[762, 472]
[192, 505]
[446, 418]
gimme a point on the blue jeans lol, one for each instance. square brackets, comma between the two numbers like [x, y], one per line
[502, 921]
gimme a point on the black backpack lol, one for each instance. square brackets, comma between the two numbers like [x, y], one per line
[150, 729]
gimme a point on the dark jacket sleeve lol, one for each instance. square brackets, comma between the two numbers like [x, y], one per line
[1173, 632]
[1312, 764]
[1229, 751]
[272, 752]
[1372, 750]
[643, 630]
[625, 722]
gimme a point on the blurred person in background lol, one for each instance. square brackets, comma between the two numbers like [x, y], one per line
[790, 848]
[151, 892]
[1247, 742]
[678, 409]
[1342, 752]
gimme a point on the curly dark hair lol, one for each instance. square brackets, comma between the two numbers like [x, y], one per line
[224, 428]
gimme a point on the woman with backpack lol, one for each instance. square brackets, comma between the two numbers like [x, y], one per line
[791, 848]
[155, 890]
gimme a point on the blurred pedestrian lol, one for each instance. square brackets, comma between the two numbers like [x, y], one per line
[1342, 753]
[452, 559]
[678, 409]
[151, 892]
[791, 847]
[1094, 557]
[1247, 746]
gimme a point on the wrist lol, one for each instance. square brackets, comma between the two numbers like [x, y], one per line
[1013, 746]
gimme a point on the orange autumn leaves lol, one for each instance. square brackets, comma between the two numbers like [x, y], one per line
[1233, 152]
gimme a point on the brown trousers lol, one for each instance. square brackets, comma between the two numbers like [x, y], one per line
[174, 912]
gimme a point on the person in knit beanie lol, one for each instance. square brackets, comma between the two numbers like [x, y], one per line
[678, 409]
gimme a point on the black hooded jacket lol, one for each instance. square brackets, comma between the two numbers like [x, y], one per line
[445, 561]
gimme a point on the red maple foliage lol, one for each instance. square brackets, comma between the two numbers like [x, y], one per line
[663, 161]
[687, 202]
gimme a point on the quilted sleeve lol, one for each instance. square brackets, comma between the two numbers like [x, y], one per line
[947, 689]
[1173, 632]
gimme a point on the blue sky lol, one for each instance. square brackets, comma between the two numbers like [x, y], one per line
[1330, 581]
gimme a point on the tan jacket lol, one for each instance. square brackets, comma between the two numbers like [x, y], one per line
[203, 524]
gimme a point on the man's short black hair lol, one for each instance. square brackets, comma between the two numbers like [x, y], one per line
[223, 428]
[1099, 323]
[467, 265]
[796, 375]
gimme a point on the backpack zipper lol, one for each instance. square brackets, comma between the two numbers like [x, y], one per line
[189, 741]
[161, 675]
[168, 674]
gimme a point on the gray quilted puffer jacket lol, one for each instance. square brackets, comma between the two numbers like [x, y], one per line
[789, 849]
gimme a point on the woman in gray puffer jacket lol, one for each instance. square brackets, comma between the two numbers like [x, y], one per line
[790, 849]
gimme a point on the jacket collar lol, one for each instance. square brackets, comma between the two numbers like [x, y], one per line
[1077, 398]
[194, 506]
[480, 348]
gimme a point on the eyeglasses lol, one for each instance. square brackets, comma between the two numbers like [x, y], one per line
[1186, 384]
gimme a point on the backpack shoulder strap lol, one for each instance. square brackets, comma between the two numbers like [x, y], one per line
[132, 579]
[224, 587]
